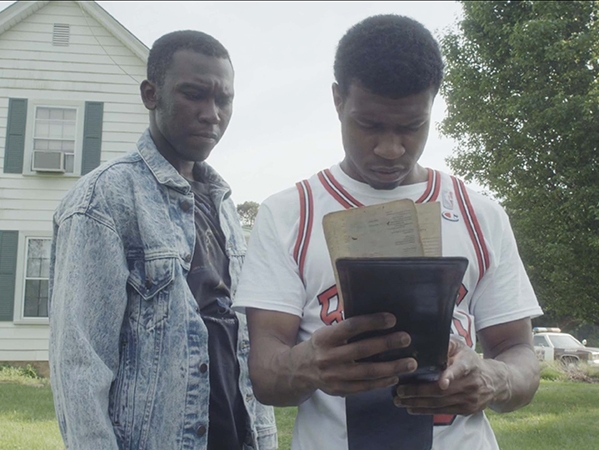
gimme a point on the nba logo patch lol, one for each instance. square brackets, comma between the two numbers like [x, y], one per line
[447, 200]
[452, 217]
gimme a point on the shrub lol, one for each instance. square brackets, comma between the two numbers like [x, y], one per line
[20, 375]
[558, 371]
[552, 371]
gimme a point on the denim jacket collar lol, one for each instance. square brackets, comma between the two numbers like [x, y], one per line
[167, 175]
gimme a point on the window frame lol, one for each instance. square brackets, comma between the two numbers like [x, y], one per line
[33, 105]
[19, 317]
[538, 337]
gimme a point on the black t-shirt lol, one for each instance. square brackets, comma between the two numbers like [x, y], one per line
[210, 283]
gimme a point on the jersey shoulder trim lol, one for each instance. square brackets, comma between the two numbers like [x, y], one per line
[472, 225]
[305, 225]
[337, 191]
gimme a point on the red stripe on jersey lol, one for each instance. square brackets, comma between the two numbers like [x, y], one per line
[469, 219]
[477, 228]
[443, 419]
[433, 187]
[465, 333]
[302, 221]
[305, 225]
[462, 292]
[334, 188]
[327, 315]
[437, 187]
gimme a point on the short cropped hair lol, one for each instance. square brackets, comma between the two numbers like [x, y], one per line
[163, 49]
[389, 55]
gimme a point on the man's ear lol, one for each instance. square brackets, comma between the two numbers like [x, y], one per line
[337, 99]
[148, 94]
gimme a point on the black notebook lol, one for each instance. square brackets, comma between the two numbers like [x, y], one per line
[421, 292]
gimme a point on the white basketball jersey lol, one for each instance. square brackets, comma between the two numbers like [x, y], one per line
[288, 269]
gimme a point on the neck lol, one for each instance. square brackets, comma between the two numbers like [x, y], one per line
[184, 167]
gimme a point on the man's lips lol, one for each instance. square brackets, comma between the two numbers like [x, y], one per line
[388, 173]
[207, 135]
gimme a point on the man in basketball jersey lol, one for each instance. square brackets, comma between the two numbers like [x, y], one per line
[388, 70]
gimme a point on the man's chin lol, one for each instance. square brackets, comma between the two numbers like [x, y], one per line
[383, 186]
[199, 154]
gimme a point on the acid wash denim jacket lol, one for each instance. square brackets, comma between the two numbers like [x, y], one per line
[128, 348]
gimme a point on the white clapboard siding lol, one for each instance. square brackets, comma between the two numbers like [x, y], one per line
[66, 73]
[80, 68]
[33, 53]
[23, 342]
[95, 66]
[24, 355]
[34, 332]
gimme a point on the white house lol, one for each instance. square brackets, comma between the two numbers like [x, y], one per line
[69, 100]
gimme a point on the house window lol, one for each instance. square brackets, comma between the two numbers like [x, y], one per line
[37, 273]
[55, 131]
[53, 137]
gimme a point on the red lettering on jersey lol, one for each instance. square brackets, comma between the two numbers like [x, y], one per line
[465, 333]
[461, 294]
[443, 419]
[331, 310]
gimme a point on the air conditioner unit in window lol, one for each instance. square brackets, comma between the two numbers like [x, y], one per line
[44, 161]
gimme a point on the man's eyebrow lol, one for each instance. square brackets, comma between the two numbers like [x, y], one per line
[202, 86]
[420, 120]
[193, 85]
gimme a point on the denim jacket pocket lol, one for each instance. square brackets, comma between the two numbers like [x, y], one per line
[149, 279]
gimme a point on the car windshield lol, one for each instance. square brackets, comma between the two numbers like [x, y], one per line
[564, 341]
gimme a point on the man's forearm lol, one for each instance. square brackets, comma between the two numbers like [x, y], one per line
[515, 375]
[279, 380]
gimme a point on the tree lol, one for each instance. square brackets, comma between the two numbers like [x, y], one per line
[247, 212]
[522, 93]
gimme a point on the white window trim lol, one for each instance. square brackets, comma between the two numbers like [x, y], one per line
[19, 311]
[29, 134]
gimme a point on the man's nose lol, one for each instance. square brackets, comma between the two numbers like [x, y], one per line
[390, 146]
[209, 112]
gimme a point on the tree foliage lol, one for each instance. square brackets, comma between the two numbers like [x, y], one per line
[247, 212]
[522, 92]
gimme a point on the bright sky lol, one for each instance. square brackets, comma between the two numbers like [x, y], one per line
[284, 126]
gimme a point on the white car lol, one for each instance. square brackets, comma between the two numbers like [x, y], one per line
[553, 345]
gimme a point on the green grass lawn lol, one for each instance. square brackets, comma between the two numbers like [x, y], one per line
[563, 416]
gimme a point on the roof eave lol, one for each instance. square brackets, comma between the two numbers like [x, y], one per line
[20, 10]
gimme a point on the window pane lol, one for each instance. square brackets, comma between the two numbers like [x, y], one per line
[68, 131]
[55, 145]
[40, 144]
[55, 130]
[70, 114]
[68, 146]
[42, 129]
[42, 113]
[38, 257]
[36, 298]
[56, 113]
[564, 341]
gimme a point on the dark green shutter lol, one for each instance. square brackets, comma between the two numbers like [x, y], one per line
[92, 136]
[8, 271]
[15, 135]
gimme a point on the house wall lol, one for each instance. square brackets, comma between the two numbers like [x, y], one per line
[94, 67]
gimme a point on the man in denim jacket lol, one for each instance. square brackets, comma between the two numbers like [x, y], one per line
[145, 351]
